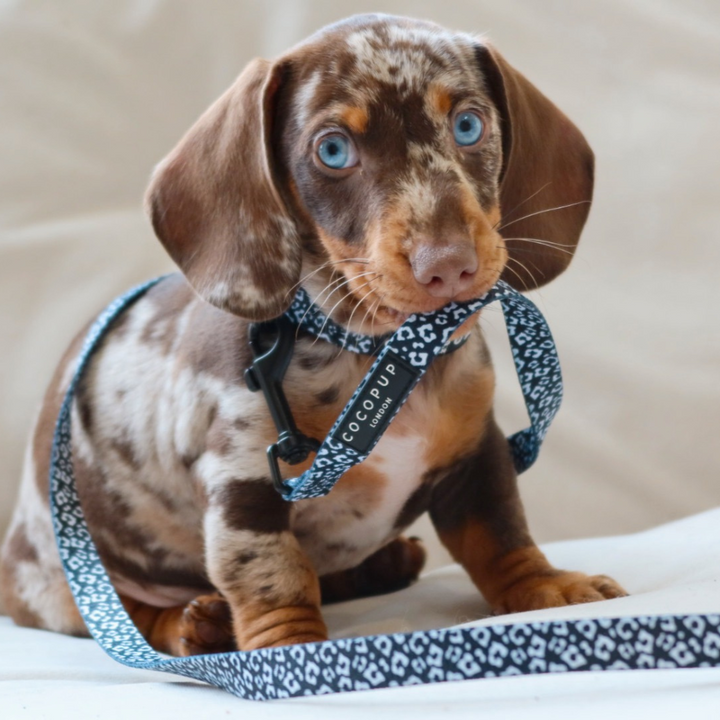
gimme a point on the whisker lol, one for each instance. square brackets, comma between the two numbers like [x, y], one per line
[540, 212]
[529, 197]
[328, 286]
[344, 297]
[370, 307]
[532, 251]
[376, 306]
[514, 272]
[307, 276]
[317, 301]
[334, 282]
[538, 240]
[525, 268]
[348, 280]
[363, 261]
[372, 327]
[349, 322]
[545, 243]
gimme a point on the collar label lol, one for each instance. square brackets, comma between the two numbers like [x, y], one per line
[370, 413]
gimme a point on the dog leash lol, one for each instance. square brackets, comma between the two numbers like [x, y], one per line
[363, 663]
[402, 360]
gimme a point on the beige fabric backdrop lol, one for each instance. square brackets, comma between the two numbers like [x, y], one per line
[93, 93]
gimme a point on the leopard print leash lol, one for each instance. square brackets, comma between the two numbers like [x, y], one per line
[361, 663]
[401, 363]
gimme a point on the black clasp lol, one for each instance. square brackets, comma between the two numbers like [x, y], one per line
[266, 373]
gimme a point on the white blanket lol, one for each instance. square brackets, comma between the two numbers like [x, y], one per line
[671, 569]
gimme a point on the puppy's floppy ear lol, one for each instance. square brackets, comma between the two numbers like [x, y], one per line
[547, 164]
[215, 205]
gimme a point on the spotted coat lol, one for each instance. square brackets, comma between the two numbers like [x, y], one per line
[169, 443]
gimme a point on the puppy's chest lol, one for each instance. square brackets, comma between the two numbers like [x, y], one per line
[375, 500]
[365, 509]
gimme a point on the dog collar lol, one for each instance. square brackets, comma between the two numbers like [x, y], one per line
[400, 363]
[305, 314]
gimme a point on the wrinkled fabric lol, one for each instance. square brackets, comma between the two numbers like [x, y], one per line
[671, 569]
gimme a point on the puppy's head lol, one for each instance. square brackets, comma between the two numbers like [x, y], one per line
[388, 164]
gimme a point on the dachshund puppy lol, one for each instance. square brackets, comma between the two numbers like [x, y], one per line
[378, 164]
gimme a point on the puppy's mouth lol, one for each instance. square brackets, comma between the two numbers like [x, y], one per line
[401, 290]
[386, 318]
[380, 298]
[396, 317]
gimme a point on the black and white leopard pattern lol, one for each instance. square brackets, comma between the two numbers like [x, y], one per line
[379, 661]
[418, 342]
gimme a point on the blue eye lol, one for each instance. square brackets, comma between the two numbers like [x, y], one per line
[468, 129]
[336, 152]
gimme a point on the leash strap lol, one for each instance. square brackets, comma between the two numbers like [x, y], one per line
[399, 659]
[401, 363]
[304, 313]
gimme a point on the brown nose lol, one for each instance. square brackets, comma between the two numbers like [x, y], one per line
[444, 271]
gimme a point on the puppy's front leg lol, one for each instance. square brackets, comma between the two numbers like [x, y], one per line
[477, 512]
[258, 565]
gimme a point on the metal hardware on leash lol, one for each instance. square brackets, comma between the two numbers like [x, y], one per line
[266, 374]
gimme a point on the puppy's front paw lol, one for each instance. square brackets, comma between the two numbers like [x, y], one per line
[556, 589]
[206, 626]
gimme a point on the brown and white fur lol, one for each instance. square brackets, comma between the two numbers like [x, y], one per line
[170, 445]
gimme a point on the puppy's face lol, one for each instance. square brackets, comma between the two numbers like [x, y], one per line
[376, 163]
[392, 151]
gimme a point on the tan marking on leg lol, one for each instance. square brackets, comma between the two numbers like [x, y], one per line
[286, 611]
[269, 582]
[202, 626]
[258, 625]
[159, 626]
[521, 579]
